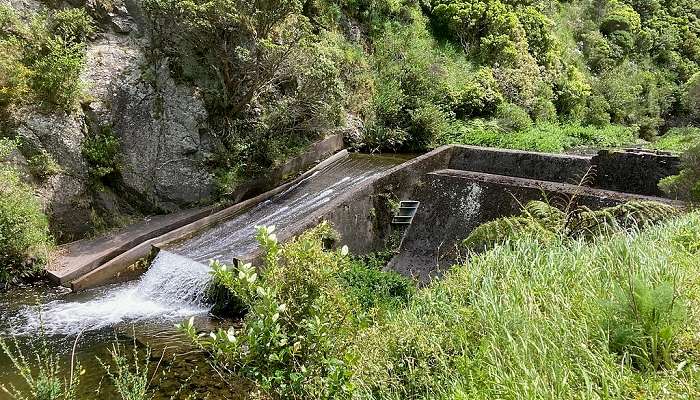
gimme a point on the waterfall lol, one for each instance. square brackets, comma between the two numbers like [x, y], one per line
[172, 288]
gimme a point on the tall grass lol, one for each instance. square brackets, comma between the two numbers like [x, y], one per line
[616, 318]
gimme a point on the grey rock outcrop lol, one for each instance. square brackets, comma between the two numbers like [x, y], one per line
[164, 140]
[161, 126]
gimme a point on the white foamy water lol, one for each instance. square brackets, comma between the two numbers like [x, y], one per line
[172, 288]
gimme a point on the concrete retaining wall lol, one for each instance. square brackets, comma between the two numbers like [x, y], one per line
[459, 188]
[634, 171]
[631, 171]
[87, 272]
[454, 202]
[523, 164]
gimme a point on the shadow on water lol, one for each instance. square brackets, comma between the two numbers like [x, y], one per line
[144, 310]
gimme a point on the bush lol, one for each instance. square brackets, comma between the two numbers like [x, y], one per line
[73, 25]
[477, 96]
[373, 288]
[101, 152]
[46, 57]
[512, 118]
[691, 97]
[686, 185]
[678, 139]
[55, 75]
[546, 137]
[288, 344]
[24, 234]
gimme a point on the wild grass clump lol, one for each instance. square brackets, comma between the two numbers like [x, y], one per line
[547, 137]
[616, 318]
[610, 317]
[43, 372]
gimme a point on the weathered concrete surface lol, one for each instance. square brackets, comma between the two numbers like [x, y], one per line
[456, 202]
[77, 258]
[631, 171]
[453, 202]
[107, 271]
[524, 164]
[634, 171]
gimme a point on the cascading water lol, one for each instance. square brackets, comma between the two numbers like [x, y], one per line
[173, 287]
[171, 290]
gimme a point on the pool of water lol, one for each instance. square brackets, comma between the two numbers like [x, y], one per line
[21, 324]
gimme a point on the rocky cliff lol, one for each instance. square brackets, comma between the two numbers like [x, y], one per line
[161, 127]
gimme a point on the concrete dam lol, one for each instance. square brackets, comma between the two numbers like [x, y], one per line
[457, 189]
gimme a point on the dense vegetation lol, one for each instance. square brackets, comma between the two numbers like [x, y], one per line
[540, 74]
[43, 55]
[612, 316]
[24, 235]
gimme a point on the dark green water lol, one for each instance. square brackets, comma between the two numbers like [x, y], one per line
[181, 365]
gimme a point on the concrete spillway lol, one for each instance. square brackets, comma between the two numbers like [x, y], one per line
[234, 237]
[174, 285]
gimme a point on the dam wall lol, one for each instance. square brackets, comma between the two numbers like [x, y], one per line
[462, 187]
[458, 187]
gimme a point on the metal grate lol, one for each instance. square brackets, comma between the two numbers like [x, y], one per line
[407, 210]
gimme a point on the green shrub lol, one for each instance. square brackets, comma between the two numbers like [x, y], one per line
[372, 287]
[512, 118]
[691, 97]
[477, 96]
[13, 74]
[686, 185]
[297, 313]
[24, 234]
[101, 151]
[678, 139]
[55, 74]
[428, 121]
[546, 137]
[73, 25]
[42, 371]
[46, 56]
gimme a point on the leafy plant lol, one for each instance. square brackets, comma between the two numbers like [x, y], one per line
[644, 322]
[101, 152]
[685, 185]
[288, 343]
[545, 223]
[372, 287]
[43, 375]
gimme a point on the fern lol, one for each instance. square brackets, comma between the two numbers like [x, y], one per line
[548, 216]
[491, 233]
[546, 222]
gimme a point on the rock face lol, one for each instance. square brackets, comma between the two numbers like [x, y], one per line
[161, 126]
[164, 140]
